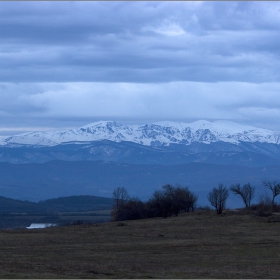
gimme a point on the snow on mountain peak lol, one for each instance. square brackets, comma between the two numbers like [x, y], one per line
[158, 133]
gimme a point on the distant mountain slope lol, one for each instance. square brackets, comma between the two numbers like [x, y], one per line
[246, 154]
[155, 134]
[77, 203]
[36, 182]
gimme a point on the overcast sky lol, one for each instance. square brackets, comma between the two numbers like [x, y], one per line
[67, 64]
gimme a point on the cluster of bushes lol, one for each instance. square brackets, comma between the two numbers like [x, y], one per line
[171, 200]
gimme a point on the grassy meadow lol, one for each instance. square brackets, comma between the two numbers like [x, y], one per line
[192, 245]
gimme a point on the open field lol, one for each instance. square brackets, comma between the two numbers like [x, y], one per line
[195, 245]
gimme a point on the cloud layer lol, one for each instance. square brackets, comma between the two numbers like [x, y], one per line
[82, 61]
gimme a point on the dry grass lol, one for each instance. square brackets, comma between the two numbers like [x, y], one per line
[198, 245]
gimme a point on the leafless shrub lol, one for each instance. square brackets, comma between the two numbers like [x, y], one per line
[264, 206]
[172, 200]
[274, 187]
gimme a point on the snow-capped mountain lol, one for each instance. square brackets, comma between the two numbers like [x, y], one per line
[154, 134]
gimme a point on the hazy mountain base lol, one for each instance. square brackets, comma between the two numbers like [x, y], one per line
[245, 153]
[61, 204]
[97, 168]
[36, 182]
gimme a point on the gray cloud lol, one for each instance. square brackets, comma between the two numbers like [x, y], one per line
[125, 41]
[184, 101]
[68, 63]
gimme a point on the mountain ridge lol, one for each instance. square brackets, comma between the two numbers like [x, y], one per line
[161, 133]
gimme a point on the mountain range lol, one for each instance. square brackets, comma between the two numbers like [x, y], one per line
[154, 134]
[219, 142]
[96, 158]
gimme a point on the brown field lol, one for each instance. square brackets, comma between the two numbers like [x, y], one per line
[196, 245]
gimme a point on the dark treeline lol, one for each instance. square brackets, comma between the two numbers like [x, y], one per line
[171, 200]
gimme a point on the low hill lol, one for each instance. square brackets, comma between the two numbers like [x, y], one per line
[63, 210]
[9, 205]
[77, 203]
[60, 204]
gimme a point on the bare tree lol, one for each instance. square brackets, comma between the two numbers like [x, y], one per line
[158, 204]
[120, 195]
[275, 189]
[217, 197]
[168, 200]
[246, 192]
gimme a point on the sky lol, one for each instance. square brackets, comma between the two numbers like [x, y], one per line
[67, 64]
